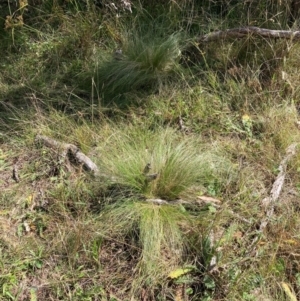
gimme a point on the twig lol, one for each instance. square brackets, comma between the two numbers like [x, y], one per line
[67, 149]
[164, 202]
[239, 217]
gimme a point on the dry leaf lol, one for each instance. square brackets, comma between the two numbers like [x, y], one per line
[289, 292]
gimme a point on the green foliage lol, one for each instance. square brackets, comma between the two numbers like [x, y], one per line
[183, 170]
[178, 162]
[145, 62]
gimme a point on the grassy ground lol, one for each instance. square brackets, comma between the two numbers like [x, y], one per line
[188, 140]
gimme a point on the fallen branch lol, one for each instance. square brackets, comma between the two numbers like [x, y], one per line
[164, 202]
[66, 149]
[241, 32]
[271, 201]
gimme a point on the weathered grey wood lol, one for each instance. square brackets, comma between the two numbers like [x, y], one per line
[271, 201]
[241, 32]
[65, 148]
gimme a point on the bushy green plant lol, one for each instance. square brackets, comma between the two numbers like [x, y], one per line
[176, 162]
[145, 62]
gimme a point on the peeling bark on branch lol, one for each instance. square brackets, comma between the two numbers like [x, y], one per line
[65, 149]
[241, 32]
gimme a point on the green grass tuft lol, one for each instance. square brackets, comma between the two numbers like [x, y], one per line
[179, 162]
[144, 63]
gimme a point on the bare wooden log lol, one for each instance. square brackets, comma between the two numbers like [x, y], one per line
[65, 148]
[241, 32]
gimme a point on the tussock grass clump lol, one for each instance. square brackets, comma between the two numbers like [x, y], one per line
[144, 63]
[175, 162]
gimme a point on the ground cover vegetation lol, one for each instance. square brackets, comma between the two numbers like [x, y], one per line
[196, 195]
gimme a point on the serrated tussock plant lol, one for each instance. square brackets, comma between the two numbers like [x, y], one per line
[143, 63]
[175, 163]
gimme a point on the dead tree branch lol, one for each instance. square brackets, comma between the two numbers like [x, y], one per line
[241, 32]
[271, 201]
[66, 149]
